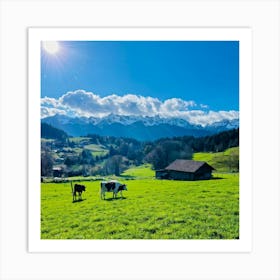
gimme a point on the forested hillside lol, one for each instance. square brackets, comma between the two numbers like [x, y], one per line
[50, 132]
[104, 155]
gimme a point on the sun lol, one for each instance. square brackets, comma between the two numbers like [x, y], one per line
[51, 47]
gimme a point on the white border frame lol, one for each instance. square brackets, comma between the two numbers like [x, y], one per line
[243, 35]
[263, 16]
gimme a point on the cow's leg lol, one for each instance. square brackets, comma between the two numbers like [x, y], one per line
[121, 194]
[102, 195]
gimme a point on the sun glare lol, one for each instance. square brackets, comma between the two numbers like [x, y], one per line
[51, 47]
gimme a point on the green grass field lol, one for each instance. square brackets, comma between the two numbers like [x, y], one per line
[211, 158]
[150, 209]
[96, 150]
[140, 172]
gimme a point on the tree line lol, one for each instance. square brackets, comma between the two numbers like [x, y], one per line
[124, 152]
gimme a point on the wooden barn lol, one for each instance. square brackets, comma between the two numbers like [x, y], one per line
[188, 170]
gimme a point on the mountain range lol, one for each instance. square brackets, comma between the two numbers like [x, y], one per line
[142, 128]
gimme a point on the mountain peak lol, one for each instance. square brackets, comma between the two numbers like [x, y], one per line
[138, 127]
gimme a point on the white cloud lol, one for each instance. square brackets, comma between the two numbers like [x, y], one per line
[48, 112]
[208, 117]
[90, 104]
[49, 102]
[82, 103]
[176, 105]
[203, 106]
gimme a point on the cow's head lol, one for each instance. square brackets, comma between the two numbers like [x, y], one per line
[123, 187]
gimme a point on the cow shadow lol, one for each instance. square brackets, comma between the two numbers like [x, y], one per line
[78, 200]
[217, 178]
[112, 198]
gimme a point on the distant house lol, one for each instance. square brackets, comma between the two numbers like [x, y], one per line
[188, 170]
[57, 172]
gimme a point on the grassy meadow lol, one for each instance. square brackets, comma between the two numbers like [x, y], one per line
[150, 209]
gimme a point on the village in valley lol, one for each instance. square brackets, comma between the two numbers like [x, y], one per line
[96, 156]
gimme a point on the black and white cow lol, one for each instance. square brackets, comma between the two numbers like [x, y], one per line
[111, 186]
[78, 189]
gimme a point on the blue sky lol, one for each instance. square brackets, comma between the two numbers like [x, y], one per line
[205, 72]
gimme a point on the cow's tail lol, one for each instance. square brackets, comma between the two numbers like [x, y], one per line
[73, 193]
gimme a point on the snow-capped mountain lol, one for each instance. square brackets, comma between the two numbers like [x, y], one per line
[138, 127]
[147, 121]
[224, 124]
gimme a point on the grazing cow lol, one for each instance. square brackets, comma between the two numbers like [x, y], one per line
[78, 189]
[112, 186]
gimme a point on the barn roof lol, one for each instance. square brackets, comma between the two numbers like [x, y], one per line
[185, 165]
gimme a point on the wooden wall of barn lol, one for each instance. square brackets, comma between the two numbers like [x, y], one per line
[203, 173]
[178, 175]
[162, 174]
[203, 176]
